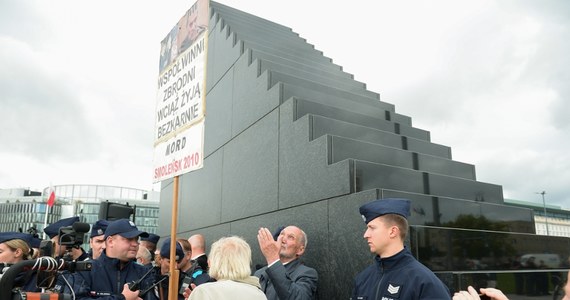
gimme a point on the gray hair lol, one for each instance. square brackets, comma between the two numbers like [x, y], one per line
[230, 258]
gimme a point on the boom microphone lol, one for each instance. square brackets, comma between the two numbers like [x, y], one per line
[81, 227]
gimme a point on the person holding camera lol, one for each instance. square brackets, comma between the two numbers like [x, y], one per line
[14, 248]
[115, 275]
[285, 276]
[75, 253]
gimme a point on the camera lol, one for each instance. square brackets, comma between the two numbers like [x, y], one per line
[33, 231]
[73, 236]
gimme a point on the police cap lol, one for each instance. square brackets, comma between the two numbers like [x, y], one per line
[53, 229]
[165, 250]
[99, 228]
[153, 238]
[125, 228]
[8, 236]
[376, 208]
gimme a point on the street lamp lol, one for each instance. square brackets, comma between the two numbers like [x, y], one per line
[544, 206]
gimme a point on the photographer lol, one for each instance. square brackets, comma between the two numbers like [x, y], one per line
[76, 253]
[112, 272]
[14, 248]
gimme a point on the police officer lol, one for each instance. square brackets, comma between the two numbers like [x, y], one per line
[97, 238]
[52, 230]
[395, 274]
[150, 242]
[116, 267]
[14, 248]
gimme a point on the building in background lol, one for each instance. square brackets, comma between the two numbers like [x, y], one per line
[557, 218]
[25, 210]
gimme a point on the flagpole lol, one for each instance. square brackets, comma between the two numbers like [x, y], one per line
[45, 220]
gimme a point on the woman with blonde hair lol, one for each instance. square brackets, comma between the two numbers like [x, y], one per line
[14, 248]
[230, 265]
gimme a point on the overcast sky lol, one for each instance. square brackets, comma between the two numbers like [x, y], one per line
[490, 79]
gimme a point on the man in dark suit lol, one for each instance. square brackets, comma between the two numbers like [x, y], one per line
[198, 245]
[286, 277]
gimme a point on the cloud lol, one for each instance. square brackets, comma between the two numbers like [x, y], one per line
[487, 78]
[43, 117]
[22, 20]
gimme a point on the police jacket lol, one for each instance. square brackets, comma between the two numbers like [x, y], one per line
[400, 276]
[107, 277]
[27, 281]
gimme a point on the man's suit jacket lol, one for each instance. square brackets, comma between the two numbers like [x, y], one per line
[203, 262]
[287, 282]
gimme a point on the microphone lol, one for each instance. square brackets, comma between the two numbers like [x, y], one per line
[81, 227]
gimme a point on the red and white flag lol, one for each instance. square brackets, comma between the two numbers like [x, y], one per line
[51, 199]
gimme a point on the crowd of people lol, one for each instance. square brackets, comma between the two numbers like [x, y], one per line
[126, 263]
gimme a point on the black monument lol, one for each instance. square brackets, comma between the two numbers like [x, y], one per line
[292, 139]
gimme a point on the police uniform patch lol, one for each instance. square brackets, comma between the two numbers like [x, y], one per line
[393, 291]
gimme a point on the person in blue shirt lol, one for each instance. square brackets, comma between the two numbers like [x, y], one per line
[395, 274]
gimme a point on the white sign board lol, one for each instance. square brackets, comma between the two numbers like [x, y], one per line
[180, 102]
[180, 154]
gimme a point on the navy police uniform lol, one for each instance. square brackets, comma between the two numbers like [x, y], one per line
[97, 229]
[26, 280]
[399, 276]
[108, 275]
